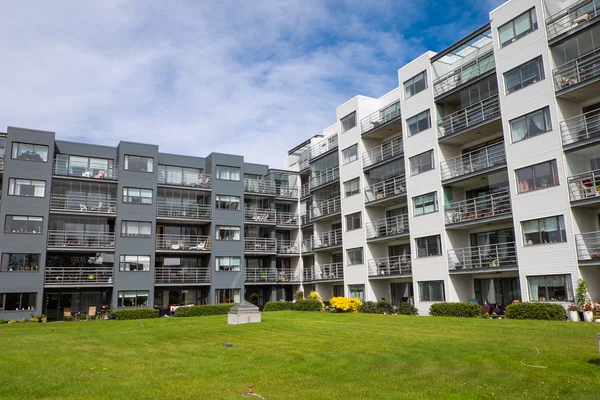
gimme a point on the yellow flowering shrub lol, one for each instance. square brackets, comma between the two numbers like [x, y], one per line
[315, 296]
[342, 304]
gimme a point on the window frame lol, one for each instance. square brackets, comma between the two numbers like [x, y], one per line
[125, 223]
[26, 267]
[423, 204]
[121, 297]
[221, 169]
[345, 127]
[522, 184]
[148, 160]
[357, 289]
[13, 185]
[420, 249]
[229, 228]
[349, 160]
[421, 285]
[539, 62]
[7, 230]
[31, 295]
[416, 119]
[352, 259]
[568, 287]
[230, 267]
[235, 292]
[561, 231]
[412, 81]
[420, 164]
[351, 192]
[126, 198]
[14, 154]
[533, 26]
[527, 118]
[219, 201]
[124, 262]
[351, 221]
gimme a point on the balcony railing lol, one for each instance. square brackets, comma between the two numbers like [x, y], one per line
[286, 192]
[500, 255]
[304, 163]
[82, 204]
[492, 205]
[79, 276]
[286, 219]
[392, 226]
[383, 152]
[74, 239]
[474, 161]
[181, 275]
[389, 188]
[588, 246]
[578, 14]
[182, 242]
[380, 117]
[1, 164]
[464, 119]
[304, 190]
[259, 215]
[324, 208]
[271, 275]
[304, 219]
[580, 128]
[260, 245]
[201, 181]
[585, 186]
[183, 210]
[466, 72]
[323, 272]
[308, 274]
[323, 146]
[307, 245]
[287, 247]
[327, 239]
[90, 171]
[577, 71]
[322, 177]
[259, 186]
[390, 266]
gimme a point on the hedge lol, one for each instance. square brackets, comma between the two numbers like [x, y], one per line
[405, 308]
[136, 313]
[368, 307]
[308, 305]
[278, 306]
[545, 311]
[202, 311]
[466, 310]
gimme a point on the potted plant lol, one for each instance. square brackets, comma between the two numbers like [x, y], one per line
[588, 312]
[573, 313]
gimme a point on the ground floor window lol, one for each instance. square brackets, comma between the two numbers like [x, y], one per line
[357, 291]
[17, 301]
[227, 296]
[402, 291]
[431, 291]
[133, 298]
[550, 288]
[497, 292]
[338, 291]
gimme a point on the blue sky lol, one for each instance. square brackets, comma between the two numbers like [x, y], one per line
[244, 77]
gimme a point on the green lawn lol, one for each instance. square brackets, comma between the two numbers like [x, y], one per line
[296, 355]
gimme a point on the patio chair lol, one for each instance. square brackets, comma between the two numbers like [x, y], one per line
[99, 175]
[82, 207]
[98, 207]
[67, 311]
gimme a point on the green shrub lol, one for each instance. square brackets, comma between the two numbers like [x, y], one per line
[202, 311]
[23, 320]
[69, 318]
[136, 313]
[546, 311]
[299, 295]
[405, 308]
[2, 321]
[278, 306]
[308, 305]
[384, 307]
[466, 310]
[368, 307]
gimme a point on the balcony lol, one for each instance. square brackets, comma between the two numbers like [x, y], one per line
[286, 193]
[182, 243]
[259, 216]
[183, 211]
[323, 147]
[578, 80]
[331, 174]
[325, 208]
[82, 204]
[467, 72]
[492, 207]
[389, 189]
[588, 248]
[287, 247]
[271, 275]
[483, 259]
[64, 240]
[178, 275]
[383, 153]
[1, 164]
[326, 240]
[260, 245]
[389, 267]
[191, 180]
[286, 220]
[572, 19]
[307, 245]
[382, 121]
[304, 219]
[303, 162]
[304, 190]
[476, 162]
[88, 171]
[466, 121]
[78, 276]
[585, 188]
[308, 274]
[388, 227]
[328, 272]
[580, 130]
[259, 186]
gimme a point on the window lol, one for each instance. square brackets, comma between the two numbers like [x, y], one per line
[544, 230]
[418, 123]
[228, 233]
[425, 204]
[20, 262]
[537, 176]
[224, 202]
[23, 224]
[348, 122]
[30, 152]
[518, 27]
[134, 263]
[136, 228]
[352, 187]
[524, 75]
[429, 246]
[353, 221]
[137, 298]
[17, 301]
[530, 125]
[550, 288]
[139, 164]
[421, 162]
[228, 173]
[357, 291]
[26, 188]
[228, 263]
[415, 85]
[350, 154]
[137, 196]
[355, 256]
[431, 291]
[227, 296]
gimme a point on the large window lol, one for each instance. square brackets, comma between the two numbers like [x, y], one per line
[530, 125]
[350, 154]
[26, 188]
[421, 162]
[537, 176]
[425, 204]
[353, 221]
[228, 233]
[355, 256]
[431, 291]
[20, 262]
[23, 224]
[231, 264]
[356, 291]
[550, 288]
[228, 173]
[137, 196]
[30, 152]
[224, 202]
[418, 123]
[227, 296]
[351, 187]
[139, 164]
[524, 75]
[348, 122]
[133, 298]
[415, 85]
[171, 175]
[544, 230]
[134, 263]
[136, 228]
[518, 27]
[429, 246]
[17, 301]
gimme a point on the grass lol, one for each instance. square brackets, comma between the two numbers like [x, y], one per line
[297, 355]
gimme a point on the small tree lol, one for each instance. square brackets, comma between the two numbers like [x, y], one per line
[299, 295]
[582, 296]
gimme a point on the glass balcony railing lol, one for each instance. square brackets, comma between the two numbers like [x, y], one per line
[389, 188]
[580, 13]
[194, 180]
[323, 147]
[585, 186]
[286, 219]
[1, 164]
[74, 239]
[328, 175]
[260, 245]
[303, 163]
[466, 72]
[272, 275]
[287, 247]
[588, 246]
[79, 276]
[304, 219]
[391, 226]
[82, 204]
[334, 271]
[390, 266]
[259, 186]
[327, 239]
[181, 275]
[307, 245]
[194, 211]
[383, 152]
[584, 69]
[325, 208]
[87, 170]
[286, 192]
[473, 162]
[259, 215]
[380, 117]
[487, 110]
[183, 242]
[304, 190]
[493, 205]
[580, 128]
[488, 257]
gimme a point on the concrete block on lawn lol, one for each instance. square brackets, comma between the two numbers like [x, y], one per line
[243, 313]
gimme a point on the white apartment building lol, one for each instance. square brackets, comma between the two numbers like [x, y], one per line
[478, 177]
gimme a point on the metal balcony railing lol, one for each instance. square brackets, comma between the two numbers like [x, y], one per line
[183, 210]
[1, 164]
[308, 274]
[183, 242]
[304, 219]
[324, 208]
[304, 190]
[387, 227]
[259, 186]
[389, 188]
[272, 275]
[383, 152]
[286, 219]
[380, 117]
[474, 161]
[390, 266]
[304, 162]
[500, 255]
[322, 177]
[80, 276]
[588, 246]
[74, 239]
[323, 147]
[286, 192]
[307, 245]
[181, 275]
[89, 170]
[259, 215]
[260, 245]
[327, 239]
[82, 204]
[492, 205]
[466, 71]
[334, 271]
[584, 186]
[577, 71]
[580, 127]
[194, 180]
[578, 14]
[464, 119]
[287, 247]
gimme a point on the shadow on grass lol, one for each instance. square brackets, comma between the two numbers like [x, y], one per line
[594, 361]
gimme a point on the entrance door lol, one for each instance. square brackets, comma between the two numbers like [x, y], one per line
[401, 291]
[51, 306]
